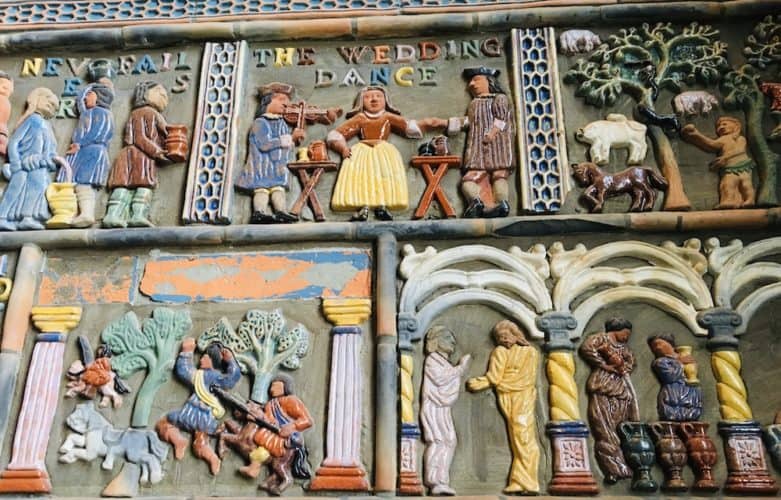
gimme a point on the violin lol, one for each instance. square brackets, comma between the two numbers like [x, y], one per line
[300, 114]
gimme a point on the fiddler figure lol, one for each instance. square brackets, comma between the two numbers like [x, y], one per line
[373, 174]
[88, 152]
[735, 167]
[203, 410]
[6, 89]
[134, 174]
[271, 144]
[488, 156]
[441, 386]
[512, 373]
[32, 155]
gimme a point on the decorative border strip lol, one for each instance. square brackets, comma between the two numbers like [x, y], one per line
[210, 175]
[537, 226]
[25, 14]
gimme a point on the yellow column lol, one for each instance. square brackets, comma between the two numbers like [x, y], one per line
[730, 388]
[562, 392]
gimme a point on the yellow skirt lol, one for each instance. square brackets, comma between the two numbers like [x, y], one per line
[372, 176]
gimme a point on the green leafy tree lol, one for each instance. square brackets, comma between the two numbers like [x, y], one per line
[261, 344]
[151, 346]
[741, 92]
[638, 62]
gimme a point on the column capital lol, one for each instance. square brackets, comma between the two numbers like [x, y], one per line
[347, 312]
[56, 319]
[557, 326]
[721, 323]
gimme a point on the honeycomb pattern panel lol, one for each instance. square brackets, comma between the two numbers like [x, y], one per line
[104, 12]
[222, 8]
[209, 184]
[542, 153]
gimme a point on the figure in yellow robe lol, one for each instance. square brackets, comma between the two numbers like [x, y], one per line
[512, 372]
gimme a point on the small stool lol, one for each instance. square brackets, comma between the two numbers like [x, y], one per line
[433, 179]
[308, 183]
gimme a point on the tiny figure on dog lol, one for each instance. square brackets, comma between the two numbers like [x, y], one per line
[735, 167]
[92, 375]
[488, 156]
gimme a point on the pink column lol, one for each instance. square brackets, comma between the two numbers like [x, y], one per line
[342, 469]
[26, 473]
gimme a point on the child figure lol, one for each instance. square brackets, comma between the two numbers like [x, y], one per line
[736, 189]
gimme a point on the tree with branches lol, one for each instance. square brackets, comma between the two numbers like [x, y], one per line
[151, 346]
[261, 343]
[741, 89]
[639, 62]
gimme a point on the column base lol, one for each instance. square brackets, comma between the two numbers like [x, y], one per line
[340, 478]
[409, 484]
[571, 468]
[25, 481]
[748, 474]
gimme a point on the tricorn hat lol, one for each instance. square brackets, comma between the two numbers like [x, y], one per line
[470, 73]
[276, 88]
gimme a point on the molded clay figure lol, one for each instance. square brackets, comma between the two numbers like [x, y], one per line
[88, 152]
[94, 436]
[615, 131]
[91, 376]
[32, 154]
[6, 89]
[679, 400]
[441, 384]
[134, 174]
[488, 154]
[639, 182]
[694, 102]
[736, 188]
[512, 372]
[612, 399]
[272, 435]
[573, 42]
[373, 174]
[271, 144]
[202, 411]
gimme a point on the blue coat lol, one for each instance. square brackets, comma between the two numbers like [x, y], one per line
[31, 151]
[196, 415]
[93, 134]
[266, 165]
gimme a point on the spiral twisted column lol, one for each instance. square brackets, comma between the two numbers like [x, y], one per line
[568, 434]
[743, 447]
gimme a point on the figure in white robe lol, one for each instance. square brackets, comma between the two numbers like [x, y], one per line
[441, 385]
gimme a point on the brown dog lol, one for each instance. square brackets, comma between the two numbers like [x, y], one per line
[639, 182]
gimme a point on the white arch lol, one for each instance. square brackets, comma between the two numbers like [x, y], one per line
[754, 301]
[574, 284]
[512, 308]
[667, 303]
[416, 291]
[733, 270]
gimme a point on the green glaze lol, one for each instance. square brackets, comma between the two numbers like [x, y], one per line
[261, 344]
[151, 346]
[679, 58]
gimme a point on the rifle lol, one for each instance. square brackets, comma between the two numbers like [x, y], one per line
[238, 403]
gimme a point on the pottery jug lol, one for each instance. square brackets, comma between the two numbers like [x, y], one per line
[317, 151]
[671, 453]
[702, 454]
[639, 452]
[176, 142]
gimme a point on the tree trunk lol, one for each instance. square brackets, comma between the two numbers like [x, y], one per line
[767, 160]
[675, 198]
[145, 398]
[260, 386]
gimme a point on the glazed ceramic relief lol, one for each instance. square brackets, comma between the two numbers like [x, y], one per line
[389, 248]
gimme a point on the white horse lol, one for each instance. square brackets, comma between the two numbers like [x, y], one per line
[94, 436]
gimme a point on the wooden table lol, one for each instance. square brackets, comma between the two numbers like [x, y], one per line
[440, 164]
[308, 183]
